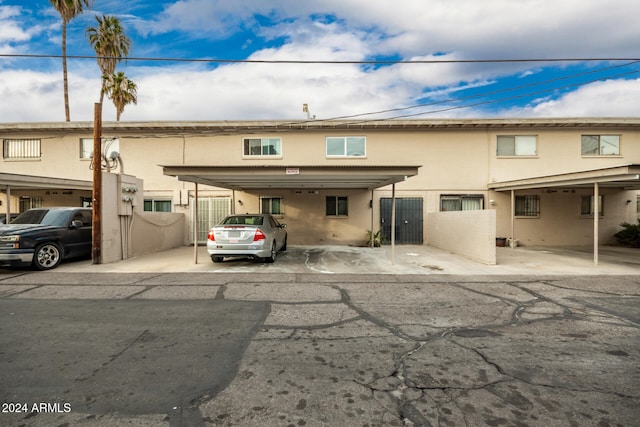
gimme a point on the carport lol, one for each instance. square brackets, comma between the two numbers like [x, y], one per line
[623, 178]
[9, 181]
[294, 178]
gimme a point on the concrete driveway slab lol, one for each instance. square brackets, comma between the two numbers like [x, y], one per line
[417, 260]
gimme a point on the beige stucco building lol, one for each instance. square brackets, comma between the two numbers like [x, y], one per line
[331, 181]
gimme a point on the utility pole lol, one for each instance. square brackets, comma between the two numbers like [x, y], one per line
[96, 233]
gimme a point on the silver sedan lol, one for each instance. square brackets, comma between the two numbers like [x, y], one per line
[252, 235]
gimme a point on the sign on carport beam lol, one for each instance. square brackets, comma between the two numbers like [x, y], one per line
[292, 171]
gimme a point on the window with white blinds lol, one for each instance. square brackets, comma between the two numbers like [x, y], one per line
[21, 149]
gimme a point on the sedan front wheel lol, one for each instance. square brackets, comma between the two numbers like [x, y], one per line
[47, 256]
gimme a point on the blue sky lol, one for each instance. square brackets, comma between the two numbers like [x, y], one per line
[334, 37]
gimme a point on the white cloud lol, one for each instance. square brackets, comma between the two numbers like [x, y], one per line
[333, 30]
[525, 28]
[10, 30]
[610, 98]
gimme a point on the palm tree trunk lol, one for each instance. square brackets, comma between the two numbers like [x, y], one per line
[64, 71]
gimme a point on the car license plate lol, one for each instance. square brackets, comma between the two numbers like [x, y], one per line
[233, 240]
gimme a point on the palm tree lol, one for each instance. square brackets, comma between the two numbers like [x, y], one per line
[121, 91]
[68, 10]
[111, 46]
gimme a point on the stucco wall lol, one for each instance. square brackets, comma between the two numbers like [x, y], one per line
[457, 160]
[156, 231]
[117, 215]
[468, 233]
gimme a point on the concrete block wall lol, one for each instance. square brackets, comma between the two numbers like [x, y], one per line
[156, 231]
[468, 233]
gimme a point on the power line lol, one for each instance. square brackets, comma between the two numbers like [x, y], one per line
[508, 89]
[296, 61]
[493, 101]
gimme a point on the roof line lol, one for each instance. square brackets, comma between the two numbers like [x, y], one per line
[251, 126]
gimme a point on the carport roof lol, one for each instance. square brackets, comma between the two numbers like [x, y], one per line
[292, 177]
[625, 177]
[33, 182]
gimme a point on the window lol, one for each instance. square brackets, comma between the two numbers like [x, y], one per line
[28, 202]
[21, 149]
[600, 145]
[337, 206]
[527, 206]
[109, 145]
[586, 205]
[517, 145]
[346, 146]
[262, 147]
[152, 205]
[461, 202]
[271, 205]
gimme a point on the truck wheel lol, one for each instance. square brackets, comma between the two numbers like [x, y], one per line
[47, 256]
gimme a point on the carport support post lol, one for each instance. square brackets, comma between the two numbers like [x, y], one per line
[513, 217]
[596, 215]
[372, 232]
[7, 219]
[195, 227]
[393, 223]
[96, 231]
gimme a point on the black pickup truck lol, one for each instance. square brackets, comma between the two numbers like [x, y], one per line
[44, 237]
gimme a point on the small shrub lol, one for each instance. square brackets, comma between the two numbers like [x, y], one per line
[375, 237]
[629, 235]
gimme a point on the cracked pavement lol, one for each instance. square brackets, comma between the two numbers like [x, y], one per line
[373, 350]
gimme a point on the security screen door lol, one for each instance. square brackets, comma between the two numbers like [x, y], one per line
[211, 210]
[409, 220]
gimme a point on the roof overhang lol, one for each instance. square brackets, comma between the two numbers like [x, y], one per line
[31, 182]
[626, 177]
[292, 177]
[202, 128]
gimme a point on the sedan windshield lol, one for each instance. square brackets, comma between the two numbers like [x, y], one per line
[44, 217]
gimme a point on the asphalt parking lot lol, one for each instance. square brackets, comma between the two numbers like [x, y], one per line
[318, 347]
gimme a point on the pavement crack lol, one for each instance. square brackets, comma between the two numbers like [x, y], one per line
[346, 299]
[115, 356]
[33, 287]
[594, 291]
[135, 294]
[220, 293]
